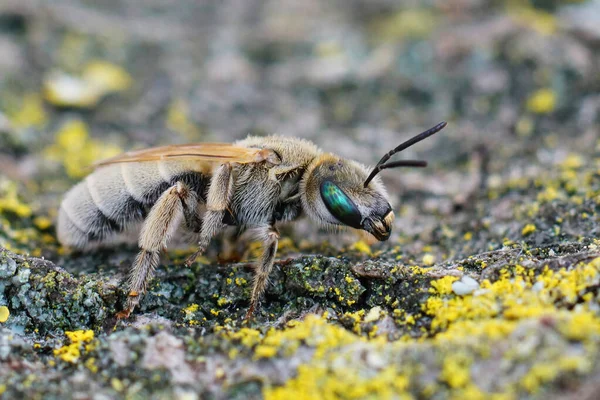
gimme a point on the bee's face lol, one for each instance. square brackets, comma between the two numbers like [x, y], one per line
[334, 193]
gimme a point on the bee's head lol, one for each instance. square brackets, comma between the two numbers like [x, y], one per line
[343, 192]
[334, 193]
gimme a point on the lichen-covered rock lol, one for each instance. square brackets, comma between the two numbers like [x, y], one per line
[531, 328]
[44, 298]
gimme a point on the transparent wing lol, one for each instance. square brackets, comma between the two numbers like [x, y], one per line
[202, 152]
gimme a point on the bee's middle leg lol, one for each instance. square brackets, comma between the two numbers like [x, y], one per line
[270, 237]
[217, 200]
[162, 221]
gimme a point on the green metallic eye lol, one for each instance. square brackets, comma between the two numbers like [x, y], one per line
[340, 205]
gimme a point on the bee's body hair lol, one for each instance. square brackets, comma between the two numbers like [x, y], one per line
[103, 206]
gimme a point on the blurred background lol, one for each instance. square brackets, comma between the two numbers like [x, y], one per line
[517, 80]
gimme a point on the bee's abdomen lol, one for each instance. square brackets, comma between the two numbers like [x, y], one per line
[116, 197]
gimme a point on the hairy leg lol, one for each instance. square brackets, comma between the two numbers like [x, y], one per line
[162, 221]
[217, 200]
[270, 238]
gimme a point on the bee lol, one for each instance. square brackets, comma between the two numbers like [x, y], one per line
[255, 183]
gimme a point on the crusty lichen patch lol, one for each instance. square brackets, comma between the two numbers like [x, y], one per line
[76, 150]
[80, 341]
[23, 227]
[98, 79]
[519, 293]
[345, 365]
[4, 313]
[519, 300]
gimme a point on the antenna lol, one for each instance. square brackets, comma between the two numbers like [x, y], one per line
[407, 163]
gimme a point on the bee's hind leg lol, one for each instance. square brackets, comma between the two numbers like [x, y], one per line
[162, 221]
[270, 238]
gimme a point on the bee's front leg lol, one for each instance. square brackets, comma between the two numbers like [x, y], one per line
[270, 238]
[161, 223]
[217, 200]
[280, 170]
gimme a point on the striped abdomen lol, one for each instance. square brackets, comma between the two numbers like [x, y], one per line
[118, 196]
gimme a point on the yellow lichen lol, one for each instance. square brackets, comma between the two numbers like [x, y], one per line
[362, 247]
[580, 325]
[265, 351]
[192, 308]
[117, 384]
[178, 120]
[492, 328]
[442, 285]
[416, 270]
[10, 200]
[42, 222]
[76, 150]
[248, 337]
[542, 101]
[107, 77]
[548, 194]
[97, 79]
[514, 297]
[71, 353]
[241, 281]
[320, 382]
[221, 301]
[456, 371]
[30, 113]
[286, 244]
[91, 365]
[572, 161]
[373, 315]
[537, 375]
[4, 314]
[541, 21]
[405, 23]
[428, 259]
[528, 229]
[493, 313]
